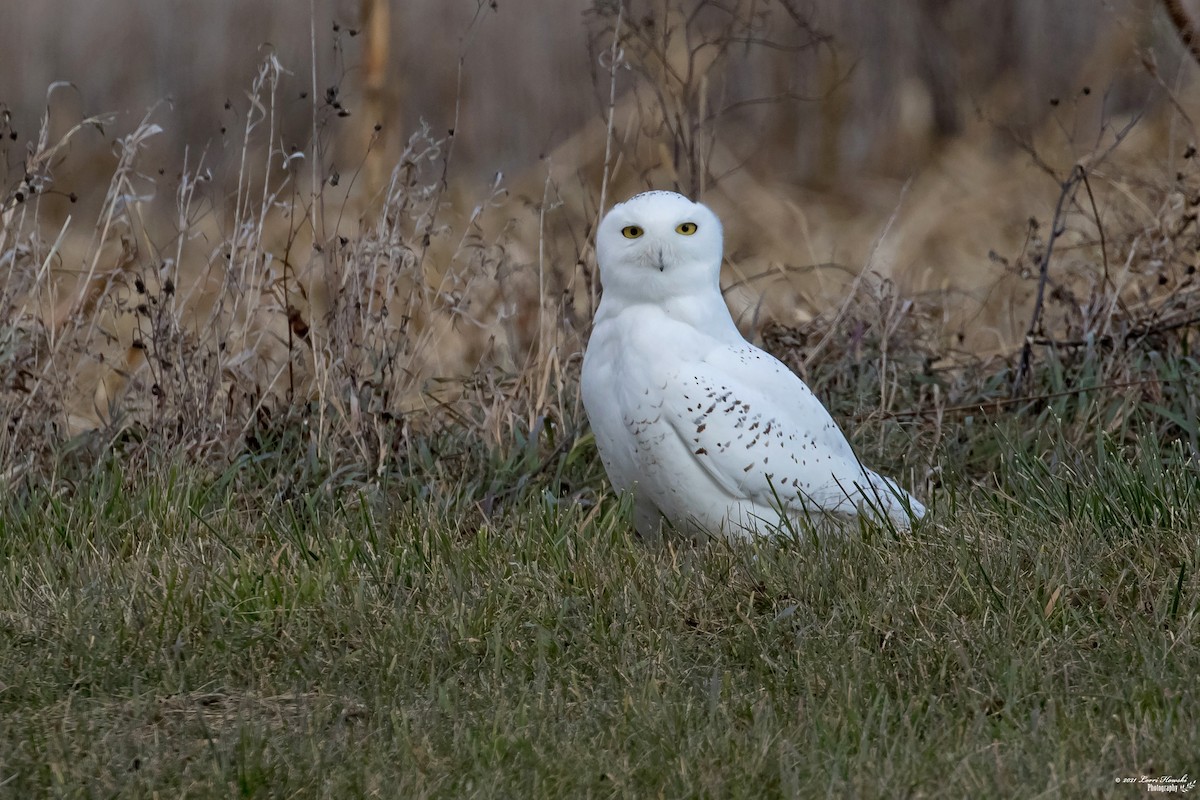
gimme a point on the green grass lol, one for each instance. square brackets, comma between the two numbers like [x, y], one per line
[191, 632]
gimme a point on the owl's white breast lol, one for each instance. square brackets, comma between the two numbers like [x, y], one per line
[633, 356]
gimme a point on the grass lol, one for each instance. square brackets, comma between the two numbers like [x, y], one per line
[196, 633]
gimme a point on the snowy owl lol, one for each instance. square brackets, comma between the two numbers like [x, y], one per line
[706, 430]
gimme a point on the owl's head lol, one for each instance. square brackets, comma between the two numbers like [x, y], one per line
[658, 245]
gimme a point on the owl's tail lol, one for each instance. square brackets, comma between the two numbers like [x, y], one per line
[885, 495]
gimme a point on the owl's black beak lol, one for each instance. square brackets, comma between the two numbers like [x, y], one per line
[658, 260]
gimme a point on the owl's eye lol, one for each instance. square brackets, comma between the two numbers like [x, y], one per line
[686, 228]
[631, 231]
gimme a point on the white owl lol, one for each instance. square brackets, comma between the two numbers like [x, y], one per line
[705, 429]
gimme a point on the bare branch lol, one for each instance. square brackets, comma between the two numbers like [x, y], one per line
[1185, 25]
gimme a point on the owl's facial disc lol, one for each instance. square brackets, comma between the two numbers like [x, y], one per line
[651, 232]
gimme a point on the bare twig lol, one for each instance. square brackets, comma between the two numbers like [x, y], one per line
[1185, 25]
[781, 271]
[613, 60]
[999, 403]
[1056, 229]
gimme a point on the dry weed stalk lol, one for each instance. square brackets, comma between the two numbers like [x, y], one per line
[1114, 351]
[685, 57]
[273, 313]
[248, 317]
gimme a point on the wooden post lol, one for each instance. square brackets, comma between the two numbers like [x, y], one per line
[377, 35]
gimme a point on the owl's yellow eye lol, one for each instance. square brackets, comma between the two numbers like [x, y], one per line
[686, 228]
[631, 231]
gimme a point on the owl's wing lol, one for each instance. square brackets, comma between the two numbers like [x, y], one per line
[761, 434]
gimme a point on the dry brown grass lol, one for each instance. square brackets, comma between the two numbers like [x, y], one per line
[270, 282]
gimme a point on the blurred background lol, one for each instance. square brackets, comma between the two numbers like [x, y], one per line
[924, 141]
[842, 87]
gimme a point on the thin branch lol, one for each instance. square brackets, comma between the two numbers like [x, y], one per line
[770, 45]
[781, 271]
[1056, 229]
[1185, 26]
[996, 405]
[612, 104]
[758, 101]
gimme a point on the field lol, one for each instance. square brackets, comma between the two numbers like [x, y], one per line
[297, 495]
[198, 634]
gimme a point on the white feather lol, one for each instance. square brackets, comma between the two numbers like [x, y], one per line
[706, 430]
